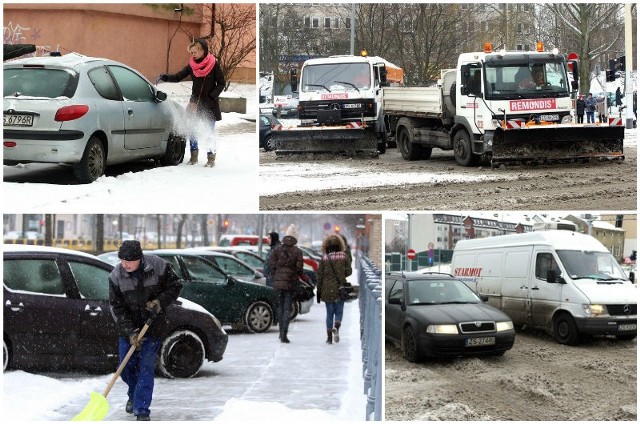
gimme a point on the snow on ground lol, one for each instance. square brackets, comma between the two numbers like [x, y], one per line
[259, 380]
[229, 187]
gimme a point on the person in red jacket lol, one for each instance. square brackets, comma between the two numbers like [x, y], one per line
[208, 84]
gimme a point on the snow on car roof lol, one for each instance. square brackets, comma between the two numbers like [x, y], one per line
[45, 249]
[72, 60]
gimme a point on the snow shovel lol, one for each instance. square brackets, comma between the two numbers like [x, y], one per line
[98, 406]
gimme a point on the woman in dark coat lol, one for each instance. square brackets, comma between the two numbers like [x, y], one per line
[208, 84]
[580, 105]
[333, 270]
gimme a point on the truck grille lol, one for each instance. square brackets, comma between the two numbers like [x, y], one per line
[630, 309]
[477, 327]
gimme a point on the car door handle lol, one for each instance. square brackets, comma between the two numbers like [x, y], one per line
[523, 287]
[93, 311]
[535, 288]
[130, 111]
[14, 308]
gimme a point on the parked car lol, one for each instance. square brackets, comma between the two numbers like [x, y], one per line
[233, 266]
[243, 305]
[57, 317]
[85, 112]
[257, 263]
[285, 106]
[266, 124]
[437, 315]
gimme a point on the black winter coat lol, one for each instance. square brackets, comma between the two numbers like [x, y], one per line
[207, 89]
[580, 105]
[128, 297]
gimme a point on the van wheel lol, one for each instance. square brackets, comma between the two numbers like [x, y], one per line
[181, 355]
[410, 345]
[93, 162]
[565, 330]
[259, 317]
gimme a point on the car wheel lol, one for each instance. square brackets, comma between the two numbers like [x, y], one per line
[626, 336]
[269, 143]
[410, 345]
[175, 151]
[5, 356]
[295, 310]
[93, 162]
[259, 317]
[565, 330]
[181, 355]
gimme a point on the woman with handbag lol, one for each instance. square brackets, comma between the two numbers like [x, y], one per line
[333, 270]
[286, 265]
[208, 84]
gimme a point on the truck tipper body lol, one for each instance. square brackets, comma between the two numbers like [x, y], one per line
[505, 106]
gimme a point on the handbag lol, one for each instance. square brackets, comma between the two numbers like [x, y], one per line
[303, 291]
[347, 292]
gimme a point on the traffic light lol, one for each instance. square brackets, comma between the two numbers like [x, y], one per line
[633, 256]
[336, 229]
[225, 225]
[620, 66]
[611, 75]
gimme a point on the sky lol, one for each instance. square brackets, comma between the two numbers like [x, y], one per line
[258, 380]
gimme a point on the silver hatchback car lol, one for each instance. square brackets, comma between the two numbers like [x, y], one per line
[85, 112]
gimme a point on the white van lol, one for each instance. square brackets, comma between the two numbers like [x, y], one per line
[564, 282]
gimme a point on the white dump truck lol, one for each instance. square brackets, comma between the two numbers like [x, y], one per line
[339, 107]
[560, 281]
[506, 106]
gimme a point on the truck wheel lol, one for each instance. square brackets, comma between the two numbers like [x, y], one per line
[565, 330]
[405, 140]
[410, 348]
[462, 150]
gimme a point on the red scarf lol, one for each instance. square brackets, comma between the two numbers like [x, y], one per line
[203, 68]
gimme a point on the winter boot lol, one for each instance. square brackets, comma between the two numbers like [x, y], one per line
[211, 160]
[143, 418]
[194, 157]
[329, 336]
[284, 338]
[336, 332]
[129, 407]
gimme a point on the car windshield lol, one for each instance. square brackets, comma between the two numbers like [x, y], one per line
[511, 80]
[437, 292]
[336, 77]
[39, 82]
[600, 266]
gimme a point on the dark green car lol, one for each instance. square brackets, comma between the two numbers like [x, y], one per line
[241, 304]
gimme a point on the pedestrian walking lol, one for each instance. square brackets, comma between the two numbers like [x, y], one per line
[590, 110]
[601, 109]
[286, 265]
[333, 271]
[618, 97]
[274, 241]
[140, 286]
[580, 106]
[208, 84]
[347, 249]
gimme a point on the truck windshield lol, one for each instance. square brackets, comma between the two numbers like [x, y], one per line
[508, 80]
[336, 77]
[600, 266]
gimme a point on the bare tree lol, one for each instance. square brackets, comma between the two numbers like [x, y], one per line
[586, 21]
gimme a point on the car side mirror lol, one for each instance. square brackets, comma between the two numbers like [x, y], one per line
[258, 275]
[484, 297]
[553, 277]
[231, 281]
[161, 96]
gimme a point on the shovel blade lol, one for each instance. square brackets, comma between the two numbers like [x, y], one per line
[95, 410]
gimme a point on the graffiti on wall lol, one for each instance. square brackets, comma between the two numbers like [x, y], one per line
[18, 34]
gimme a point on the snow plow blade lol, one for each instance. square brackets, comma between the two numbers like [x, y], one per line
[341, 141]
[556, 144]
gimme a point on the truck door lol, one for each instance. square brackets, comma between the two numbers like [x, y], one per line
[545, 297]
[470, 93]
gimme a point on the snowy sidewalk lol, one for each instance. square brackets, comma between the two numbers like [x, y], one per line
[259, 379]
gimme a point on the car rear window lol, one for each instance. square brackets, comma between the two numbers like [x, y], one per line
[39, 82]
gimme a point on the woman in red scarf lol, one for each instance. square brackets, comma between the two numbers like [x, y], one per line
[208, 83]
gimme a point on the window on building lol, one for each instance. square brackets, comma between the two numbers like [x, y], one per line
[335, 23]
[619, 219]
[327, 23]
[347, 23]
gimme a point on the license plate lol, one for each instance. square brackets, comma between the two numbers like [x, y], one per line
[18, 120]
[352, 106]
[480, 341]
[549, 118]
[627, 327]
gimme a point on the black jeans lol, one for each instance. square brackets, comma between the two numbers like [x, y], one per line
[285, 298]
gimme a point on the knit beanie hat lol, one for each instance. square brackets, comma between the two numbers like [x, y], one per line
[292, 231]
[130, 250]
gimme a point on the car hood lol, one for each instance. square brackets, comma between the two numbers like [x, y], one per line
[455, 313]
